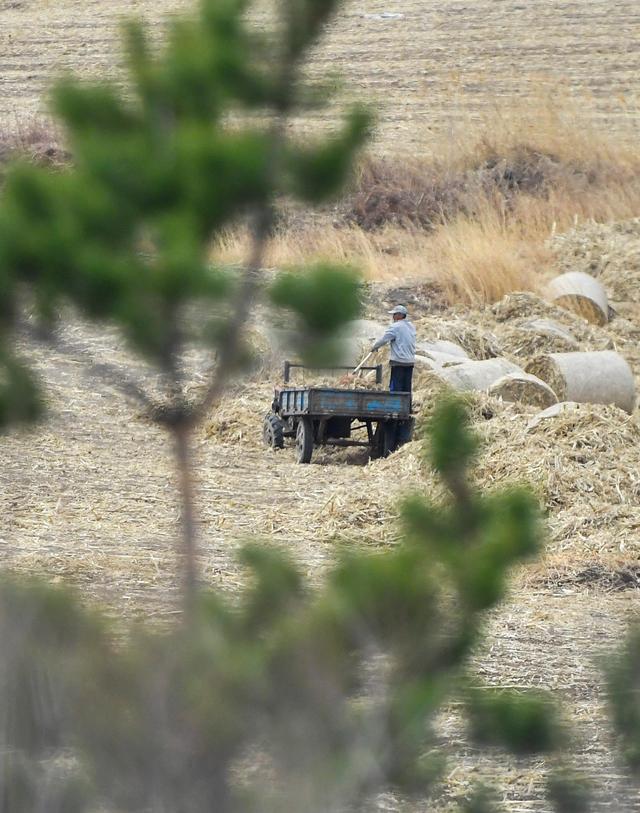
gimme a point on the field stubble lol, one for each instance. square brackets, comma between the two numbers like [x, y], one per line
[457, 88]
[89, 499]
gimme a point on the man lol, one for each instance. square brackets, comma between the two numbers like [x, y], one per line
[401, 336]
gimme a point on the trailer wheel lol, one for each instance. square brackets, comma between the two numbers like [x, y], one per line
[304, 440]
[273, 431]
[384, 440]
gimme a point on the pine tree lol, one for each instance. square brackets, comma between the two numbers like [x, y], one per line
[197, 141]
[289, 698]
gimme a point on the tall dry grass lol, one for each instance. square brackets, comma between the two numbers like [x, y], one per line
[474, 214]
[34, 138]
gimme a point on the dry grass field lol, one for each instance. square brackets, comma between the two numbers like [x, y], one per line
[88, 497]
[454, 85]
[433, 68]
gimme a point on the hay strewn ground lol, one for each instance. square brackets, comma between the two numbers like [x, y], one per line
[88, 499]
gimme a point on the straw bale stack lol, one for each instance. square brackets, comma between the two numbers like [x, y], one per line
[525, 388]
[594, 377]
[582, 294]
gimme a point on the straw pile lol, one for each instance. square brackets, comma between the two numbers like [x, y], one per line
[524, 338]
[474, 339]
[89, 499]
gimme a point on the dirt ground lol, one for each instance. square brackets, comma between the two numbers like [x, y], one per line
[88, 499]
[430, 68]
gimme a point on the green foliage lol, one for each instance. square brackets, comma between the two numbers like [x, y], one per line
[195, 142]
[41, 630]
[482, 800]
[487, 533]
[623, 677]
[287, 698]
[521, 722]
[27, 786]
[569, 792]
[19, 397]
[322, 298]
[318, 173]
[453, 446]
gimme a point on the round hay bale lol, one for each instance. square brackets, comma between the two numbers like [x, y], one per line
[523, 388]
[582, 294]
[477, 375]
[599, 377]
[441, 347]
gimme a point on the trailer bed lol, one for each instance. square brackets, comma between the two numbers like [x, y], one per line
[327, 402]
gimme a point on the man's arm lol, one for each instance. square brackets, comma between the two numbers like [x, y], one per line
[388, 336]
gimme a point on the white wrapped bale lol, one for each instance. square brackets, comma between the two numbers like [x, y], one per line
[441, 359]
[582, 294]
[523, 388]
[599, 377]
[477, 375]
[427, 363]
[441, 347]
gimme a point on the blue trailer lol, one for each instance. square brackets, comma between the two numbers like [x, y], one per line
[333, 416]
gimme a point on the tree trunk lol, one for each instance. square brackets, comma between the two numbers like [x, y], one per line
[189, 550]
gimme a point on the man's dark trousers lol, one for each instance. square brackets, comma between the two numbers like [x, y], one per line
[401, 377]
[401, 380]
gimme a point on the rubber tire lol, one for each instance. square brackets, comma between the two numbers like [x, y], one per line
[384, 440]
[304, 440]
[273, 431]
[374, 447]
[408, 427]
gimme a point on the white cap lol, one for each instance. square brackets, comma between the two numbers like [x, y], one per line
[399, 309]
